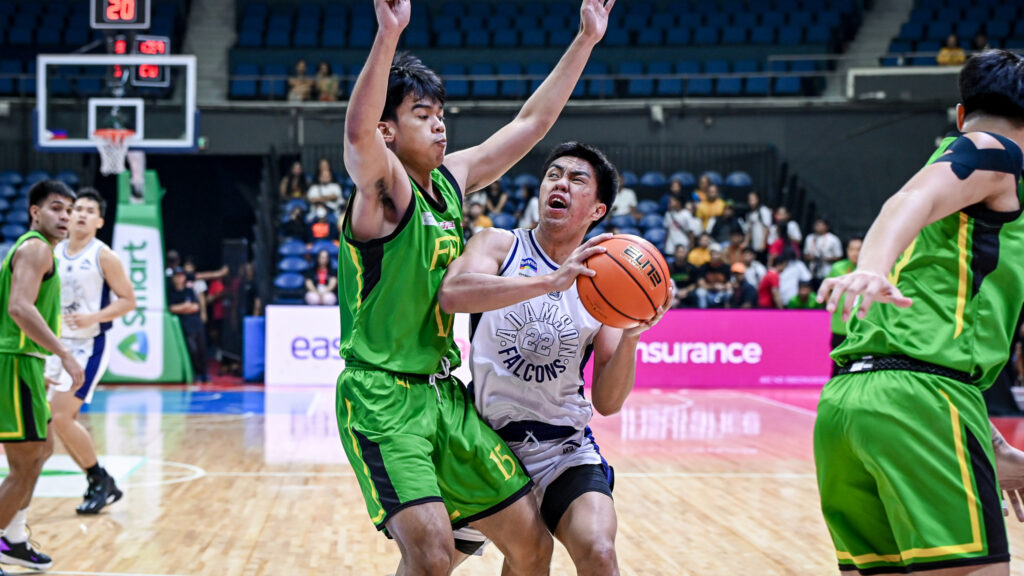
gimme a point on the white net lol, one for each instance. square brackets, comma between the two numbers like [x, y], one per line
[113, 149]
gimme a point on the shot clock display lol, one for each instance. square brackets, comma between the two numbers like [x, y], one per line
[119, 14]
[153, 74]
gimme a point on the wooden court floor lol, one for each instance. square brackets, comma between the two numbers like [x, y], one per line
[247, 481]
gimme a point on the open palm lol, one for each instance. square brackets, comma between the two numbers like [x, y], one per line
[594, 17]
[392, 15]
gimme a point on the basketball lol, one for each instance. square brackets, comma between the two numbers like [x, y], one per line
[631, 282]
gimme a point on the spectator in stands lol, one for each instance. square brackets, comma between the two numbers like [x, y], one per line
[849, 264]
[326, 83]
[768, 290]
[756, 225]
[295, 226]
[685, 276]
[253, 304]
[783, 228]
[496, 198]
[743, 293]
[173, 261]
[476, 220]
[675, 190]
[530, 214]
[980, 43]
[197, 285]
[755, 269]
[703, 185]
[713, 286]
[321, 226]
[321, 282]
[182, 301]
[951, 54]
[792, 275]
[821, 250]
[734, 250]
[300, 86]
[625, 201]
[711, 207]
[680, 225]
[294, 184]
[722, 227]
[701, 254]
[805, 299]
[326, 192]
[782, 243]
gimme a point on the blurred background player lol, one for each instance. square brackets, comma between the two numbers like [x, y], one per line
[89, 272]
[29, 324]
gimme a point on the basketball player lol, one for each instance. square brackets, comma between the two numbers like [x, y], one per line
[29, 328]
[424, 459]
[907, 461]
[530, 344]
[89, 272]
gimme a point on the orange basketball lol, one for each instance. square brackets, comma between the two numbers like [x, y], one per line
[631, 281]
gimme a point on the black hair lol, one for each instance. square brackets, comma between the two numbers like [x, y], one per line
[325, 63]
[409, 75]
[993, 83]
[94, 195]
[42, 190]
[856, 237]
[605, 174]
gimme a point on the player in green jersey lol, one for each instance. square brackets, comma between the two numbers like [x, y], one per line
[841, 267]
[29, 332]
[909, 468]
[424, 459]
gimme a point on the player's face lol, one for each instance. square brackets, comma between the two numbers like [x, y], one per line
[418, 136]
[568, 194]
[853, 250]
[51, 219]
[85, 216]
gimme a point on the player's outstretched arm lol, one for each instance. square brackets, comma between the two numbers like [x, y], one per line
[113, 272]
[372, 167]
[472, 283]
[29, 265]
[935, 192]
[615, 362]
[480, 165]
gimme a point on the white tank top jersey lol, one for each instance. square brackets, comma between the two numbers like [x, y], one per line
[83, 289]
[527, 359]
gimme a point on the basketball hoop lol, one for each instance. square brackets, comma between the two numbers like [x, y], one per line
[112, 144]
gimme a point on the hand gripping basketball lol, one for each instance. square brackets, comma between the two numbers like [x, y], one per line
[630, 284]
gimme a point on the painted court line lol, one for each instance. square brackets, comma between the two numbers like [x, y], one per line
[784, 405]
[74, 573]
[780, 475]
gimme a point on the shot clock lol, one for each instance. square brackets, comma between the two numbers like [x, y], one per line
[151, 75]
[119, 14]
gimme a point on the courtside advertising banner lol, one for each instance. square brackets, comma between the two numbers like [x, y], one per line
[137, 339]
[687, 349]
[302, 345]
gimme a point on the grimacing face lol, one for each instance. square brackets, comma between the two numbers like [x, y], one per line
[568, 193]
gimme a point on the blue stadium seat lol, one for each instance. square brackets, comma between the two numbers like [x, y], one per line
[68, 177]
[665, 86]
[540, 70]
[244, 87]
[705, 36]
[939, 30]
[49, 35]
[328, 245]
[737, 183]
[734, 35]
[997, 29]
[275, 82]
[762, 35]
[1006, 12]
[684, 178]
[293, 264]
[504, 221]
[481, 10]
[949, 14]
[648, 207]
[361, 35]
[478, 38]
[289, 287]
[802, 19]
[20, 37]
[629, 178]
[470, 23]
[291, 248]
[600, 87]
[4, 206]
[450, 39]
[18, 216]
[790, 35]
[636, 86]
[630, 230]
[36, 176]
[617, 37]
[533, 38]
[679, 36]
[506, 38]
[757, 86]
[248, 38]
[20, 204]
[649, 221]
[650, 37]
[7, 192]
[622, 221]
[483, 88]
[11, 178]
[653, 181]
[526, 179]
[819, 35]
[787, 86]
[595, 231]
[457, 88]
[713, 176]
[774, 19]
[656, 236]
[744, 19]
[923, 15]
[511, 88]
[11, 232]
[8, 70]
[967, 29]
[278, 38]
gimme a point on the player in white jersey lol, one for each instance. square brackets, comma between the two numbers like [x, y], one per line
[531, 339]
[89, 272]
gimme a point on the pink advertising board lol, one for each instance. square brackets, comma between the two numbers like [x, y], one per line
[734, 349]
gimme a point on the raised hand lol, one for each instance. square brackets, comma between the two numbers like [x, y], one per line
[392, 15]
[594, 18]
[574, 265]
[871, 287]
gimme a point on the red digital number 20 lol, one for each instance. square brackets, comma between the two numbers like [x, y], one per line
[120, 10]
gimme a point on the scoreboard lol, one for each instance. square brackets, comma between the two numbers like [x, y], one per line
[151, 75]
[119, 14]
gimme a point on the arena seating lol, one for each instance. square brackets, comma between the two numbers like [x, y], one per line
[932, 21]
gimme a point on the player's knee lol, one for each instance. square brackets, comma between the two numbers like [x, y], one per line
[532, 551]
[431, 561]
[600, 559]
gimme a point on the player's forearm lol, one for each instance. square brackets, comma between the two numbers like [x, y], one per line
[543, 107]
[370, 91]
[31, 322]
[116, 309]
[475, 292]
[998, 442]
[900, 221]
[616, 380]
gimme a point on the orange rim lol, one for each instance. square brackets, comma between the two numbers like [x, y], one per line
[114, 134]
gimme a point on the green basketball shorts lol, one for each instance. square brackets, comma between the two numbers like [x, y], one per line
[906, 473]
[410, 443]
[24, 411]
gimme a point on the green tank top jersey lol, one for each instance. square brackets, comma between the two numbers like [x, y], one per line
[12, 339]
[838, 269]
[966, 278]
[391, 318]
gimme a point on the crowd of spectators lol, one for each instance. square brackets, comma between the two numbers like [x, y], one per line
[322, 87]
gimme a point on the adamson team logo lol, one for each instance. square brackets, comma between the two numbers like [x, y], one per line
[537, 345]
[135, 347]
